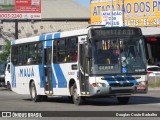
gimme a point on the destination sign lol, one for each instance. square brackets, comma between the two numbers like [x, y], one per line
[115, 32]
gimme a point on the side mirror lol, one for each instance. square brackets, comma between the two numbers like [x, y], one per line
[88, 50]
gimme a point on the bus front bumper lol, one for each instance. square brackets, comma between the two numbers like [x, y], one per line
[115, 91]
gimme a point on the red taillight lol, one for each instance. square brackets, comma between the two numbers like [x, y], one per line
[149, 73]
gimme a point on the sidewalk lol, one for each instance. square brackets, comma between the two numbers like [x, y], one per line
[155, 88]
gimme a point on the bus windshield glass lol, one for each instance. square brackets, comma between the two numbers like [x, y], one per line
[118, 55]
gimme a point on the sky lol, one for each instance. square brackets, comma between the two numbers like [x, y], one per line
[85, 3]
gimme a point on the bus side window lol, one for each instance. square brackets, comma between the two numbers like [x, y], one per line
[39, 53]
[54, 51]
[14, 55]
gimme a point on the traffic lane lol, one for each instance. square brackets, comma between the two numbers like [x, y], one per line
[10, 101]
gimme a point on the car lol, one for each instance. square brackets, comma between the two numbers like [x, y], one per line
[2, 73]
[153, 70]
[8, 77]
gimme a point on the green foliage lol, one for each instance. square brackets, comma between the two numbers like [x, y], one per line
[5, 53]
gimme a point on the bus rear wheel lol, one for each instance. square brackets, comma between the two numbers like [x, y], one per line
[123, 100]
[77, 100]
[33, 93]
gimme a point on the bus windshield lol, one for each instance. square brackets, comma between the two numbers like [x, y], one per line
[118, 55]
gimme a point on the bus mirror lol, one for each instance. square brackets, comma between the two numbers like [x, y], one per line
[87, 51]
[88, 40]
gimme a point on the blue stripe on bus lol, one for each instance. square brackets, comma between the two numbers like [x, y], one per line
[13, 78]
[62, 82]
[49, 37]
[56, 35]
[42, 37]
[114, 79]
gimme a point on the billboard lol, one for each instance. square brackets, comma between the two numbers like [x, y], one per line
[136, 12]
[20, 9]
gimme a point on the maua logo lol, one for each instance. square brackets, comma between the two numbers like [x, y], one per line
[26, 72]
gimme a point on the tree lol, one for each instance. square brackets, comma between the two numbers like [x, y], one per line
[5, 53]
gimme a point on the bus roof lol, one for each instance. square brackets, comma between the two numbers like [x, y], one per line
[56, 35]
[50, 36]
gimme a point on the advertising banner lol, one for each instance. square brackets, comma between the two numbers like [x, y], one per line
[136, 12]
[20, 9]
[115, 18]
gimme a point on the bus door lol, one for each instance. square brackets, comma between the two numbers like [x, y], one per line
[48, 71]
[83, 70]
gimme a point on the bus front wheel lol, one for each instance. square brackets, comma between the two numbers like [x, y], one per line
[123, 100]
[33, 93]
[77, 100]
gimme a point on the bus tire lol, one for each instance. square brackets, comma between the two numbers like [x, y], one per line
[77, 100]
[33, 93]
[9, 86]
[123, 100]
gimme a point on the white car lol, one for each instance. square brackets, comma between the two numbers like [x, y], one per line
[8, 77]
[153, 70]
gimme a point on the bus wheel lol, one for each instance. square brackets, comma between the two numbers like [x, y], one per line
[8, 86]
[33, 93]
[123, 100]
[77, 100]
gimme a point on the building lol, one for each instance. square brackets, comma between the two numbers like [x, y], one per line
[57, 15]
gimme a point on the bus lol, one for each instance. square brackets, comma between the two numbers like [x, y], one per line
[80, 64]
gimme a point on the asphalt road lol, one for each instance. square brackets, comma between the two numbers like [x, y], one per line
[10, 101]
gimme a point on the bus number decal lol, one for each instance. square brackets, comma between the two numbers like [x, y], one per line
[70, 73]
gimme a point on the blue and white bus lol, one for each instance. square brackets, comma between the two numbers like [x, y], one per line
[80, 63]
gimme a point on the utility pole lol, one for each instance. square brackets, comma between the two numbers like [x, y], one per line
[123, 12]
[16, 29]
[111, 10]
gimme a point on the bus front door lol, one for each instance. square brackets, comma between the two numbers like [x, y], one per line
[83, 75]
[48, 71]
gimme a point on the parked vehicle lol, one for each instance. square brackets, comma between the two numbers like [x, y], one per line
[2, 72]
[153, 71]
[8, 77]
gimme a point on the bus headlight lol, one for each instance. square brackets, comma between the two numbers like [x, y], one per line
[98, 84]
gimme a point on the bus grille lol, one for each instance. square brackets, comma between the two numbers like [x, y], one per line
[121, 85]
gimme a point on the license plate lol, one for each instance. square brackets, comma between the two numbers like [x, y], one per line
[141, 87]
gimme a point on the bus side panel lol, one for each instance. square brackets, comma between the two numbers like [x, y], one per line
[21, 77]
[63, 74]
